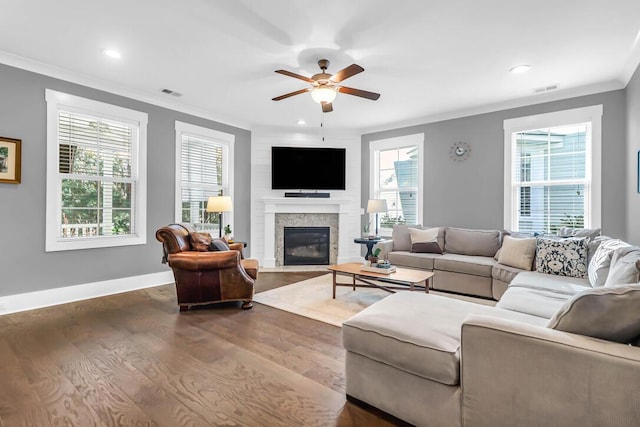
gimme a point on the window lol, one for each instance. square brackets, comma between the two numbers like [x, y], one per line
[552, 170]
[96, 174]
[204, 165]
[396, 176]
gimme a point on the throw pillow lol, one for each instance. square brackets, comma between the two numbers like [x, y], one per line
[219, 245]
[623, 266]
[425, 241]
[601, 261]
[518, 253]
[200, 241]
[401, 237]
[605, 313]
[563, 257]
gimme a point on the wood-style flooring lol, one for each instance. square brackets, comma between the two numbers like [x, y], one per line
[133, 360]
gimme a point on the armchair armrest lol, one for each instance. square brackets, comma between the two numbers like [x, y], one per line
[199, 261]
[519, 374]
[237, 247]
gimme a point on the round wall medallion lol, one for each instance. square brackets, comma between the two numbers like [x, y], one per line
[459, 151]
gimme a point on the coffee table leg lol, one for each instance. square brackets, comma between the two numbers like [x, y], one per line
[354, 282]
[334, 285]
[426, 285]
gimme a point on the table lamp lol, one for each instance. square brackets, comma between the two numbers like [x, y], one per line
[219, 204]
[376, 206]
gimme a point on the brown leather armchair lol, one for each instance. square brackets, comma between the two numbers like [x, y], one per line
[207, 277]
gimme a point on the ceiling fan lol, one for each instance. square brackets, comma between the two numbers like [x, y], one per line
[324, 86]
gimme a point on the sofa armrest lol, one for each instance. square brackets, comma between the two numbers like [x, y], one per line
[519, 374]
[385, 247]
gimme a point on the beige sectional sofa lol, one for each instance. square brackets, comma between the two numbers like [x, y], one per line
[554, 351]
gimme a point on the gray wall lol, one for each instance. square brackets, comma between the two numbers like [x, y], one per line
[470, 193]
[24, 265]
[633, 145]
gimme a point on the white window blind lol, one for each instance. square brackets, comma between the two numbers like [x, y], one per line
[550, 178]
[96, 169]
[204, 165]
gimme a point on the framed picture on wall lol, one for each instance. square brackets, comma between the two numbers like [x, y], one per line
[10, 160]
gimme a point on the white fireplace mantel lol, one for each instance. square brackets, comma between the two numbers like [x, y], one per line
[272, 206]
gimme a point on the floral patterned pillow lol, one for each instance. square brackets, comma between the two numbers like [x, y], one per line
[562, 257]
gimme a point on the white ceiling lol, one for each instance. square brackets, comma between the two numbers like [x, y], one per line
[427, 58]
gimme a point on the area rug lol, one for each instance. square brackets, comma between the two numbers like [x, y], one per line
[312, 298]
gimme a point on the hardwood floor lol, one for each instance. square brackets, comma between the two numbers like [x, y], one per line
[133, 360]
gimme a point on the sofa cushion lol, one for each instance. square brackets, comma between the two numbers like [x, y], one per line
[536, 302]
[609, 313]
[562, 257]
[411, 259]
[590, 233]
[417, 333]
[517, 253]
[200, 241]
[548, 282]
[401, 237]
[471, 242]
[623, 266]
[425, 241]
[504, 273]
[600, 263]
[467, 264]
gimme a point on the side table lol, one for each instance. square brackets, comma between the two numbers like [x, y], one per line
[370, 244]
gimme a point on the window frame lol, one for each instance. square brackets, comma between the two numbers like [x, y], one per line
[414, 140]
[59, 101]
[227, 141]
[593, 161]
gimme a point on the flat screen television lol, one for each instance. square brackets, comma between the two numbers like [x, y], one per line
[306, 168]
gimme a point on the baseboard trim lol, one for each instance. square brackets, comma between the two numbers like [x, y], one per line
[49, 297]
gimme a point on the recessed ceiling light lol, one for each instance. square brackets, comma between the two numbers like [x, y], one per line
[301, 122]
[112, 53]
[520, 68]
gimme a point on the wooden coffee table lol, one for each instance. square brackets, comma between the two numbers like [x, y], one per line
[403, 278]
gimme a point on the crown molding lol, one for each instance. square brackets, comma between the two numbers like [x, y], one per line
[53, 71]
[499, 106]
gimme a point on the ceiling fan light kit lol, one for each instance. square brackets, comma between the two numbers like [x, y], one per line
[324, 86]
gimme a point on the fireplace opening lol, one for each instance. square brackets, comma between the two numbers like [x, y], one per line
[306, 245]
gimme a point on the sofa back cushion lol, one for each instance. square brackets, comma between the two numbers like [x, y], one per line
[425, 241]
[518, 253]
[471, 242]
[608, 313]
[600, 262]
[623, 266]
[401, 237]
[563, 257]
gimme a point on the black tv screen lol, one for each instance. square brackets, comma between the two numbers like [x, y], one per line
[298, 168]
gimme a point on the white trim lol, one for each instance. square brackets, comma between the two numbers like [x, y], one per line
[416, 140]
[59, 100]
[227, 140]
[39, 299]
[591, 114]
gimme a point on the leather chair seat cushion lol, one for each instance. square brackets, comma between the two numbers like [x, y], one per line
[251, 267]
[418, 333]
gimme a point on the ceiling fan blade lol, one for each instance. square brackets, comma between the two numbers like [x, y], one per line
[345, 73]
[327, 107]
[357, 92]
[294, 75]
[287, 95]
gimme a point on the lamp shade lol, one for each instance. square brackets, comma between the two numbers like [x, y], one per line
[377, 205]
[323, 94]
[219, 204]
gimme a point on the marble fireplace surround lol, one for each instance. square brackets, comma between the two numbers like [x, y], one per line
[317, 212]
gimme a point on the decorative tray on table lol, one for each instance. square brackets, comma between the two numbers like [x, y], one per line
[381, 267]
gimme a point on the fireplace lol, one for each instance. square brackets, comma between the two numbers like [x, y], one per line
[306, 245]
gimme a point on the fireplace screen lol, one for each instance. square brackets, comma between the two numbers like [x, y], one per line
[306, 245]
